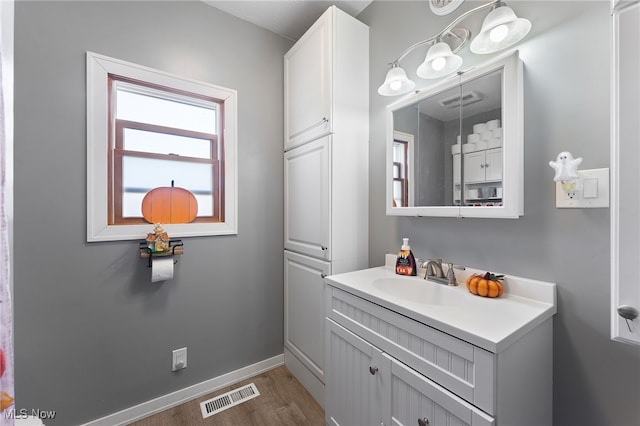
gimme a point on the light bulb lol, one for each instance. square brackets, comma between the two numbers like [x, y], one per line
[438, 63]
[395, 85]
[498, 33]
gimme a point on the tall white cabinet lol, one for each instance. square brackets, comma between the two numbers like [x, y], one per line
[326, 190]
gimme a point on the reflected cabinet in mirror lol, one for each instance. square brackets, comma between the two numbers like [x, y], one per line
[456, 148]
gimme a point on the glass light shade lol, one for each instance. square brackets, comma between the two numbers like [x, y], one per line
[440, 61]
[396, 82]
[501, 28]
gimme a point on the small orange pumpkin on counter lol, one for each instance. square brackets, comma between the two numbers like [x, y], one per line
[487, 285]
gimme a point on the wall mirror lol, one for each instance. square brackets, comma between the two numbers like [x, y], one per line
[456, 148]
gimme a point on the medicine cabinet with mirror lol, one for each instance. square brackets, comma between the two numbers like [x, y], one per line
[456, 149]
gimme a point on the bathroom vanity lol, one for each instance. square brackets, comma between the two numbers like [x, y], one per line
[406, 351]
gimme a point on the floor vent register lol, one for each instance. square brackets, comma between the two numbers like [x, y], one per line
[230, 399]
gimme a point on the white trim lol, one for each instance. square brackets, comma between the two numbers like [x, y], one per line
[173, 399]
[619, 248]
[98, 68]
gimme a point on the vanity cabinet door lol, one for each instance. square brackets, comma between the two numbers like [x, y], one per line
[483, 166]
[304, 309]
[474, 163]
[412, 399]
[493, 164]
[354, 379]
[306, 199]
[307, 85]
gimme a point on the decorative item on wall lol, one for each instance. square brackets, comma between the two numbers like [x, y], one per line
[501, 29]
[566, 168]
[158, 240]
[158, 246]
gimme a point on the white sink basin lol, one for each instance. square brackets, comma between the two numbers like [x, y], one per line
[420, 291]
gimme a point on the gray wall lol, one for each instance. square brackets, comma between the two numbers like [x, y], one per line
[566, 89]
[92, 334]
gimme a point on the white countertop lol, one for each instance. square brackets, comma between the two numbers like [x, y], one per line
[492, 324]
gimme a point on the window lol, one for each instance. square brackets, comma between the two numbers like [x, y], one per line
[163, 138]
[402, 170]
[400, 184]
[149, 129]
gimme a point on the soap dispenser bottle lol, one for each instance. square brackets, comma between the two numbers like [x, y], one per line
[405, 263]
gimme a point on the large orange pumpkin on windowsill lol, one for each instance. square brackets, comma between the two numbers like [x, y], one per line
[169, 205]
[487, 285]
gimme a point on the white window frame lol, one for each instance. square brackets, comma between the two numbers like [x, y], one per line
[98, 229]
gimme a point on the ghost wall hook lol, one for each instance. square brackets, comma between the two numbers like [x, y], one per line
[566, 167]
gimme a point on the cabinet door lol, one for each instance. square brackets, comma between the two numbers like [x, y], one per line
[306, 199]
[304, 309]
[412, 399]
[354, 379]
[307, 85]
[474, 164]
[456, 177]
[493, 164]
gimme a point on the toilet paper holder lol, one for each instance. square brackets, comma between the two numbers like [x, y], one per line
[175, 248]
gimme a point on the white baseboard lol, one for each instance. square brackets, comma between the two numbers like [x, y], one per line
[173, 399]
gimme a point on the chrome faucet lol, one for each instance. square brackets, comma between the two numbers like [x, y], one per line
[434, 272]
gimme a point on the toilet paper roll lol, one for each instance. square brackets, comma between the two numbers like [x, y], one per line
[479, 128]
[473, 138]
[493, 124]
[162, 269]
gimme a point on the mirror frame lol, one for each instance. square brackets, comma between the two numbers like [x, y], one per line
[512, 149]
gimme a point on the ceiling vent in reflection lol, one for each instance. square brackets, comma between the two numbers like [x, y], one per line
[466, 99]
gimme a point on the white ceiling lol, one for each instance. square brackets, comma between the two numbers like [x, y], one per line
[289, 18]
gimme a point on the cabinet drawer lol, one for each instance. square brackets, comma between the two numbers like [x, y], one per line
[460, 367]
[412, 396]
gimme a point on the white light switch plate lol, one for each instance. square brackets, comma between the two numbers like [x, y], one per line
[590, 191]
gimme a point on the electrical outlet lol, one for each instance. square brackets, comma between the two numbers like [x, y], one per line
[590, 190]
[179, 359]
[571, 194]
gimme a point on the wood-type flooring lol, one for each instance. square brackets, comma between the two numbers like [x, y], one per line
[282, 401]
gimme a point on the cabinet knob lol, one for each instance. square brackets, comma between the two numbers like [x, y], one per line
[423, 422]
[324, 248]
[482, 166]
[373, 370]
[486, 165]
[325, 120]
[323, 275]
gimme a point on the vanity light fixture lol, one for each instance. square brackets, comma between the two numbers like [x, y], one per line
[500, 29]
[396, 82]
[440, 61]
